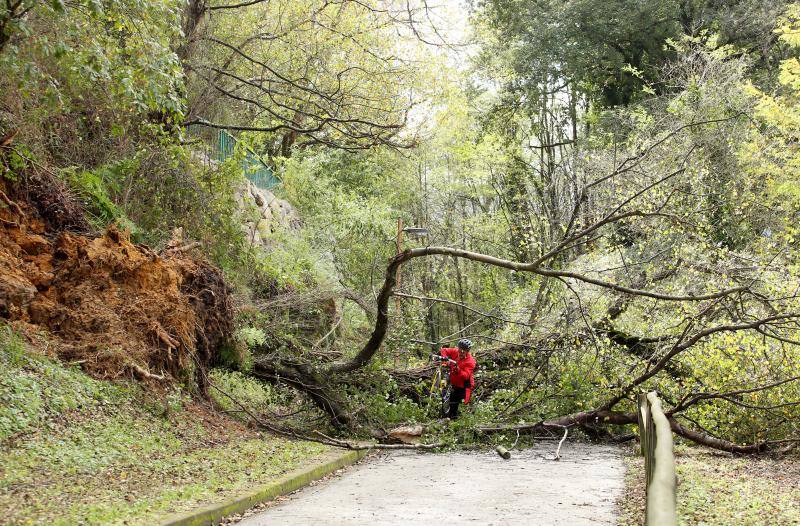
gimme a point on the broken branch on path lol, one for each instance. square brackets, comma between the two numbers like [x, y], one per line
[561, 443]
[323, 439]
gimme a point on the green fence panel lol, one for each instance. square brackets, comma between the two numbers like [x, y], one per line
[221, 146]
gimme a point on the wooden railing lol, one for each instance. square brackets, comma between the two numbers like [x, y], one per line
[659, 461]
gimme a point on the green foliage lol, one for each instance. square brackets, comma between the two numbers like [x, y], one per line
[251, 336]
[379, 404]
[460, 433]
[350, 204]
[34, 389]
[257, 396]
[98, 94]
[95, 189]
[614, 52]
[733, 362]
[16, 163]
[138, 455]
[161, 188]
[120, 50]
[239, 355]
[293, 262]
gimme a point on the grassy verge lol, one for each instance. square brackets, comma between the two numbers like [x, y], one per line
[720, 489]
[74, 450]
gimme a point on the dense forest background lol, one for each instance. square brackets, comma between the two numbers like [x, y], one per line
[610, 191]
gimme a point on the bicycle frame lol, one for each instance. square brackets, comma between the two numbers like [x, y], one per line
[440, 386]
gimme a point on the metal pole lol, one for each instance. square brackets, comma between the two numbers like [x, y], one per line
[397, 282]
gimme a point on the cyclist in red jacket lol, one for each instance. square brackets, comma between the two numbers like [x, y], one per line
[461, 374]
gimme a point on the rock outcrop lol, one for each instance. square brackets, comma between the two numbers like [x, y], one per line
[264, 213]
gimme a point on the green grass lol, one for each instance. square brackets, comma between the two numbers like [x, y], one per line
[75, 450]
[719, 489]
[34, 389]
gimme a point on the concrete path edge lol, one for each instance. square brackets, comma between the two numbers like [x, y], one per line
[212, 515]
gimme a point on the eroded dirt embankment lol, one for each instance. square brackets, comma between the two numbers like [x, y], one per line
[114, 307]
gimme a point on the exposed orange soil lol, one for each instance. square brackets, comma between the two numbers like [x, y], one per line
[112, 306]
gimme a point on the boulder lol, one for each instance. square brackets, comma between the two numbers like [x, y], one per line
[264, 212]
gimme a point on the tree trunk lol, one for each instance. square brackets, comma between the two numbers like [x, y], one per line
[302, 378]
[193, 14]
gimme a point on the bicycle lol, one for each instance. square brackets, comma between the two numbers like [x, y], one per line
[440, 383]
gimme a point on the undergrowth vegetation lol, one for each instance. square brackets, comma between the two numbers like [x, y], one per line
[602, 196]
[139, 455]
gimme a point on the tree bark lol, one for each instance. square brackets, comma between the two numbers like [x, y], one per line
[302, 378]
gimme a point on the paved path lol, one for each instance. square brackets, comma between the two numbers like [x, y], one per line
[463, 488]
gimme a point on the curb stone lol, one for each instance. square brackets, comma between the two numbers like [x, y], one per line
[213, 514]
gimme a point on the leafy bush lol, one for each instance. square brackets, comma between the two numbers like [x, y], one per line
[257, 396]
[96, 188]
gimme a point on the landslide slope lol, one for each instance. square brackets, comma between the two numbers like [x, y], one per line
[116, 308]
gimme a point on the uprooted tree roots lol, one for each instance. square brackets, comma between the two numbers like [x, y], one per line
[115, 308]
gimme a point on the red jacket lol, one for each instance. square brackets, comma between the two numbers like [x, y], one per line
[461, 371]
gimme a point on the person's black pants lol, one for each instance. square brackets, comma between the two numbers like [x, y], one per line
[456, 397]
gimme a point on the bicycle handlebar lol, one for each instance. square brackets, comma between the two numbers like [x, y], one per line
[436, 357]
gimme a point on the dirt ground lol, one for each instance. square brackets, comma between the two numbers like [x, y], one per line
[464, 488]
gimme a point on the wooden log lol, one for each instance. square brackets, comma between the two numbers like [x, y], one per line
[503, 452]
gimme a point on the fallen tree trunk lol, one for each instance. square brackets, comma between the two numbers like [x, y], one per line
[589, 418]
[302, 378]
[582, 418]
[716, 443]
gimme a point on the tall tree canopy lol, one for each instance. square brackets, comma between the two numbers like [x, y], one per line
[343, 74]
[613, 49]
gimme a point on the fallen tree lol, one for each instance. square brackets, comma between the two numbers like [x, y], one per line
[604, 414]
[712, 298]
